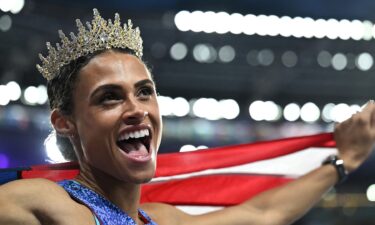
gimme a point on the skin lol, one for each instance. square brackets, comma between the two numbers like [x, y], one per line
[93, 128]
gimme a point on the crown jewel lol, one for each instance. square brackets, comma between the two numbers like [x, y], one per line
[97, 35]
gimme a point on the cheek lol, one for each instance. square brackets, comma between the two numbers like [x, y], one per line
[96, 129]
[156, 108]
[155, 112]
[98, 119]
[158, 122]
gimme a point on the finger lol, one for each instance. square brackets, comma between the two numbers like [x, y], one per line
[373, 119]
[367, 105]
[372, 122]
[371, 105]
[367, 112]
[370, 109]
[363, 117]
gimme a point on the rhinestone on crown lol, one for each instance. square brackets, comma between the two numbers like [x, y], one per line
[98, 35]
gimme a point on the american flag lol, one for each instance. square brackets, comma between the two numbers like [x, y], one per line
[217, 177]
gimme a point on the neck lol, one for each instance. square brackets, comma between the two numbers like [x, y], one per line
[124, 195]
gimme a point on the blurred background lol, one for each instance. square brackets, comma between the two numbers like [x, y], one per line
[228, 72]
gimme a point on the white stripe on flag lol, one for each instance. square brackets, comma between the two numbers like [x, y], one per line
[291, 165]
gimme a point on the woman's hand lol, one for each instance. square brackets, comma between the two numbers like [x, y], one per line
[355, 137]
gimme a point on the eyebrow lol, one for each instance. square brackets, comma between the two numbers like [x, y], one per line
[144, 82]
[107, 87]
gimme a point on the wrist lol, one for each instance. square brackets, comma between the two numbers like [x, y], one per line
[351, 163]
[339, 166]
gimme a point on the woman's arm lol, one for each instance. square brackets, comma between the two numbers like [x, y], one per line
[37, 202]
[283, 205]
[15, 202]
[355, 140]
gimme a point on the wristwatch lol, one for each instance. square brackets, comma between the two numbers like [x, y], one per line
[339, 166]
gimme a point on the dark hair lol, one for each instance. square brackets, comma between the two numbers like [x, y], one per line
[60, 94]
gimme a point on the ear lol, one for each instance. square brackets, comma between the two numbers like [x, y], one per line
[62, 123]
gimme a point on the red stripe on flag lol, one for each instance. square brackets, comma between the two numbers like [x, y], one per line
[212, 190]
[188, 162]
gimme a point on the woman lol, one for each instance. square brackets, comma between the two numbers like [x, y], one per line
[103, 100]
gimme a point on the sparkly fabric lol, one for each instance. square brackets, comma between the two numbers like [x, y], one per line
[106, 212]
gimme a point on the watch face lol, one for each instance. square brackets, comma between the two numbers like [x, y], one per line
[332, 159]
[340, 162]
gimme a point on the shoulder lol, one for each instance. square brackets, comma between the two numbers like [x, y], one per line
[31, 199]
[31, 191]
[30, 185]
[164, 213]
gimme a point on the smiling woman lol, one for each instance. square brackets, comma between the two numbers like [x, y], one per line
[104, 108]
[114, 97]
[60, 91]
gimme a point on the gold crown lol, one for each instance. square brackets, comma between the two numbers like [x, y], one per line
[99, 35]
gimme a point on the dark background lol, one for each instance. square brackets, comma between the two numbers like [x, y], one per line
[23, 128]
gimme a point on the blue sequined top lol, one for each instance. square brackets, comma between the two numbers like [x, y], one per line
[105, 211]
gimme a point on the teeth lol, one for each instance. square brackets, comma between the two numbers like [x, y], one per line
[134, 134]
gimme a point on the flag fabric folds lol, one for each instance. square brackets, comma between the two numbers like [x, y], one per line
[214, 177]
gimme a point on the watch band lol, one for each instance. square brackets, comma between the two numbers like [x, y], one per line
[339, 166]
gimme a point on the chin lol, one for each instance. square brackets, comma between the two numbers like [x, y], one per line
[144, 181]
[139, 179]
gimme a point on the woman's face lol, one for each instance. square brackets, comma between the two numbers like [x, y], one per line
[116, 117]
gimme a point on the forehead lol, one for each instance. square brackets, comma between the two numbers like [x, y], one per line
[112, 67]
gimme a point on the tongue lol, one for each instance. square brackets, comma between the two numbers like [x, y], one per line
[134, 148]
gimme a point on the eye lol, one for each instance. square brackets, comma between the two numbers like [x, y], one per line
[109, 97]
[146, 92]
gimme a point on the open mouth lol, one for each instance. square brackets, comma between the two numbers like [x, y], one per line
[135, 143]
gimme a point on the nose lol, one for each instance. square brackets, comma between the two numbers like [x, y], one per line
[133, 113]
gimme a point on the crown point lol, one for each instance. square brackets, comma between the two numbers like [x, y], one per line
[130, 24]
[41, 57]
[73, 36]
[61, 34]
[79, 24]
[40, 69]
[89, 25]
